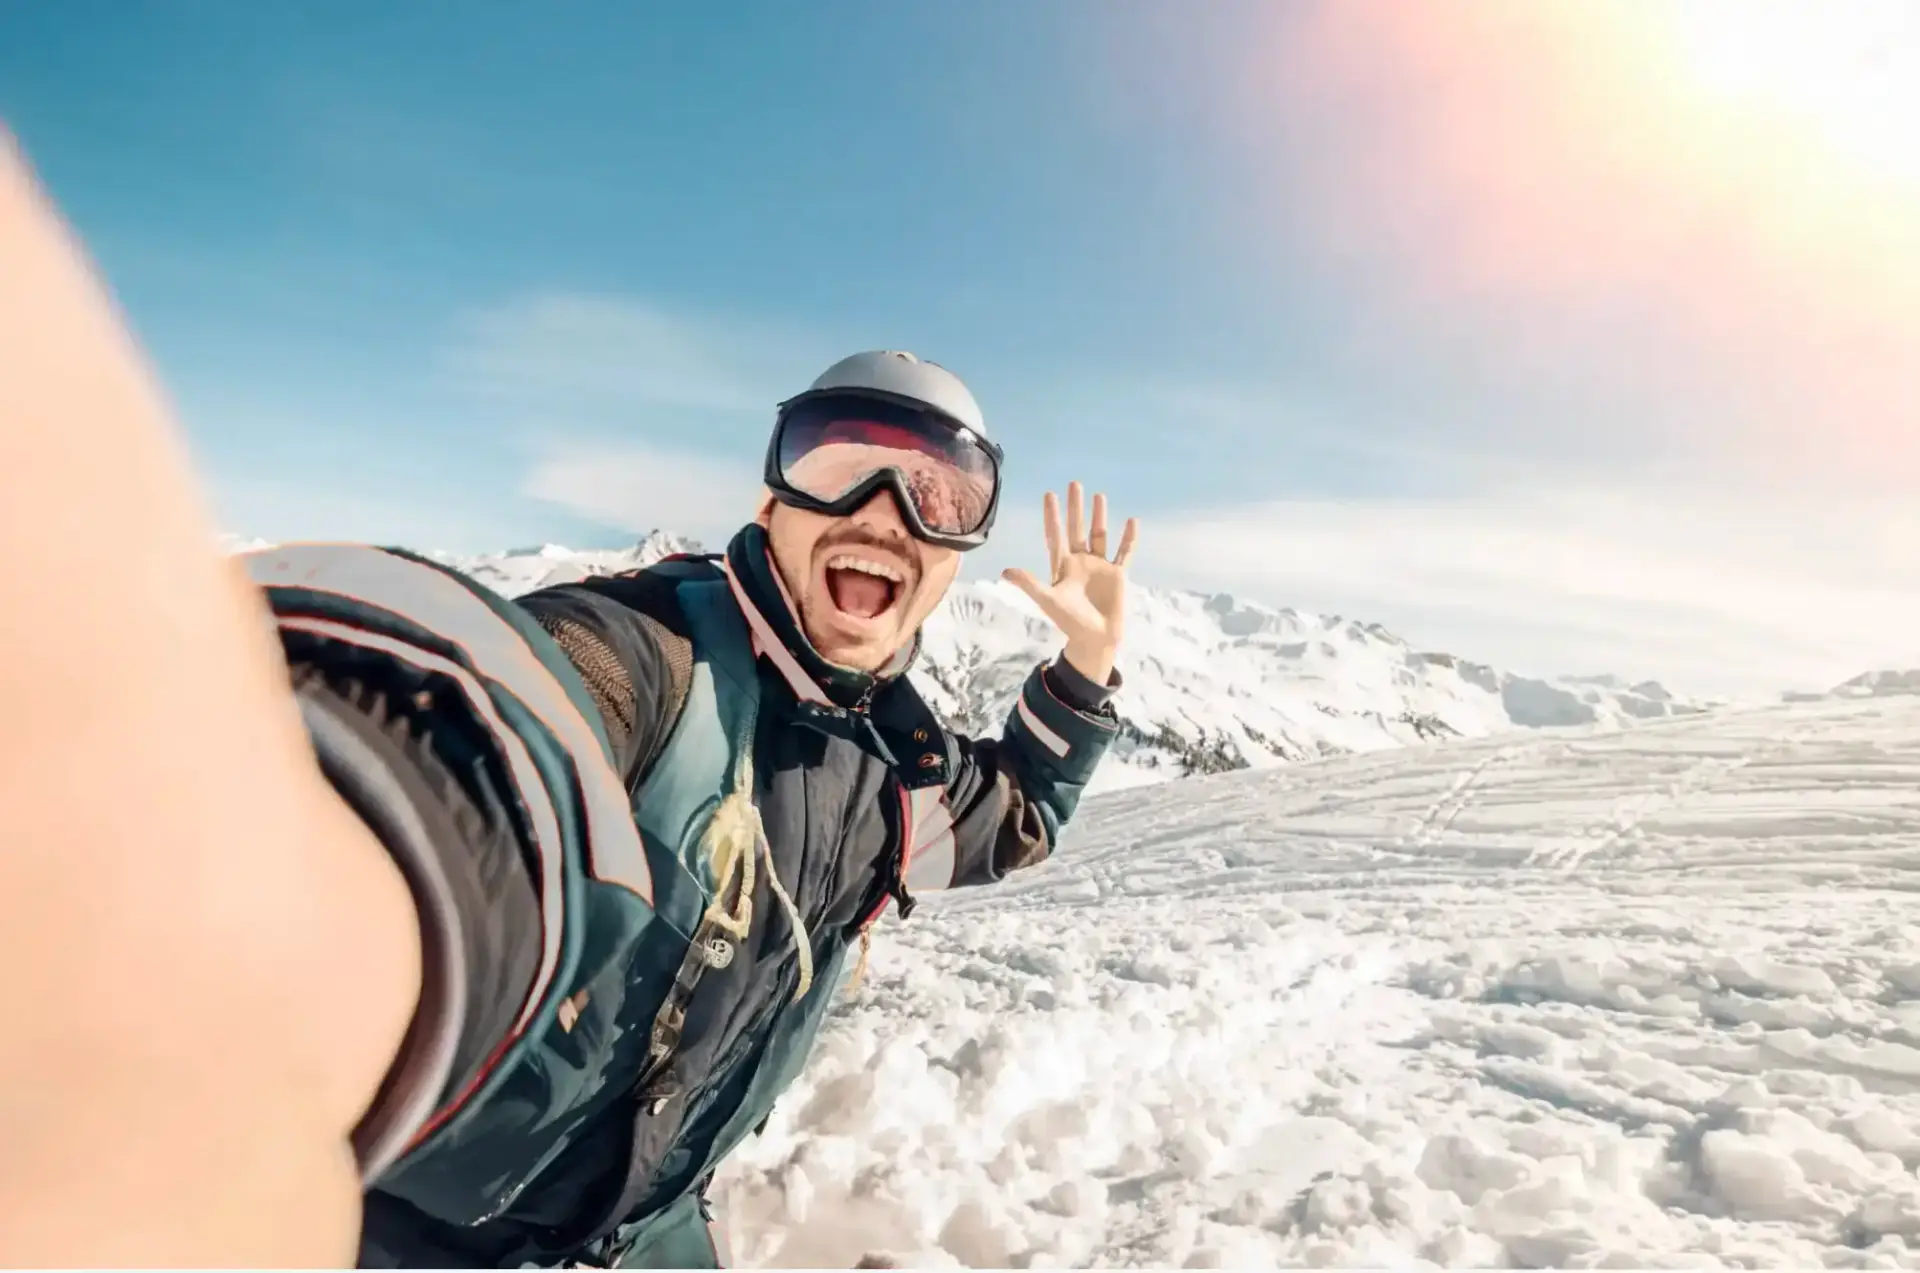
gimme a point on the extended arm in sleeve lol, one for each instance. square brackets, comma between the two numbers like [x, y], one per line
[1006, 799]
[462, 735]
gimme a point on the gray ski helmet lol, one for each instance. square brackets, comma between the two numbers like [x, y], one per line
[902, 375]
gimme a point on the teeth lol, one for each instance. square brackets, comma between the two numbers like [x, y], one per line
[846, 562]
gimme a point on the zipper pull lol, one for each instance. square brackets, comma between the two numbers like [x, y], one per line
[880, 748]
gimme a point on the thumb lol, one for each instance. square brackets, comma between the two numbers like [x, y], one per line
[1031, 586]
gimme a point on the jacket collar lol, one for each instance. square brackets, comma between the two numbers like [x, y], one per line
[770, 614]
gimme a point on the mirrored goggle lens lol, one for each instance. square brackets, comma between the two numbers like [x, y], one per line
[829, 446]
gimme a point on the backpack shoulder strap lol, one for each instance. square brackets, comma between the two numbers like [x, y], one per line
[676, 650]
[698, 771]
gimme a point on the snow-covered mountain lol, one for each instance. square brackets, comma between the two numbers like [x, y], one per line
[1213, 683]
[1884, 683]
[524, 569]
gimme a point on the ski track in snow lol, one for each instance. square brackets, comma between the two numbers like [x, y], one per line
[1649, 998]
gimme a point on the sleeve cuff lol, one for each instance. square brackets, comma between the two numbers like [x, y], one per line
[1078, 691]
[348, 746]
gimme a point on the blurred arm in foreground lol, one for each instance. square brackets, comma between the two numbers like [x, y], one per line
[211, 962]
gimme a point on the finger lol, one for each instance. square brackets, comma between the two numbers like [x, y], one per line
[1076, 517]
[1129, 538]
[1097, 534]
[1032, 587]
[1056, 538]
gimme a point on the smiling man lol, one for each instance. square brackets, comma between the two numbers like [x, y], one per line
[648, 820]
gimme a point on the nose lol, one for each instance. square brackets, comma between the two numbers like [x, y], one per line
[882, 515]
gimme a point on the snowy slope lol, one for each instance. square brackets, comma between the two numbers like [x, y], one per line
[1633, 999]
[1212, 683]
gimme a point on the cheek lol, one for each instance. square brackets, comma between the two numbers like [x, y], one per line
[795, 568]
[927, 598]
[937, 576]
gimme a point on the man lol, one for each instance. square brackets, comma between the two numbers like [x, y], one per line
[608, 1014]
[642, 821]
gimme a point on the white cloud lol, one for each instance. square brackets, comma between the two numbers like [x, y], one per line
[600, 360]
[652, 488]
[634, 414]
[251, 505]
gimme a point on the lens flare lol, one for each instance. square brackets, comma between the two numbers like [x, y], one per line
[1846, 75]
[1690, 228]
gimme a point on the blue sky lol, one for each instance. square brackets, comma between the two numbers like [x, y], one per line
[310, 211]
[472, 275]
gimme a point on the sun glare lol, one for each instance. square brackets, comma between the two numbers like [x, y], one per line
[1845, 74]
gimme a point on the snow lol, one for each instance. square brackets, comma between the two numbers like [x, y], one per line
[229, 543]
[1879, 683]
[1648, 997]
[549, 565]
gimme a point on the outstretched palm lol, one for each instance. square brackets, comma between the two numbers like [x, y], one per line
[1087, 597]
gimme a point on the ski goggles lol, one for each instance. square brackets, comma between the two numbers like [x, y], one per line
[833, 449]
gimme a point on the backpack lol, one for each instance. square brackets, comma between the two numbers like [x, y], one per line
[687, 607]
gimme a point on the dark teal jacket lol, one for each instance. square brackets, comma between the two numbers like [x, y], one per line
[597, 1034]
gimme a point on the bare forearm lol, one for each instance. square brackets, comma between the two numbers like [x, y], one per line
[213, 961]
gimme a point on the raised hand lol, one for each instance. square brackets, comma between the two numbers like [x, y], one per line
[1087, 598]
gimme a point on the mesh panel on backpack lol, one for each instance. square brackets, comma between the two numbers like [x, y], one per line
[605, 676]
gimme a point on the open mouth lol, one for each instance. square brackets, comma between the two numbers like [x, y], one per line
[863, 588]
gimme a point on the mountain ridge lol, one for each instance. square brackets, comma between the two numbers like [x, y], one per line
[1211, 682]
